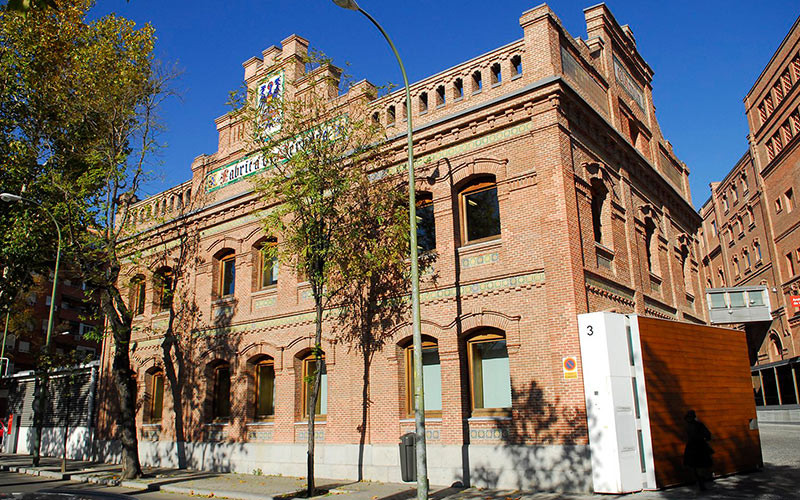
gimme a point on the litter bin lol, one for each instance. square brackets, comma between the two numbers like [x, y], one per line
[408, 457]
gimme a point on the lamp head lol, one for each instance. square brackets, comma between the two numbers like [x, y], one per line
[10, 198]
[346, 4]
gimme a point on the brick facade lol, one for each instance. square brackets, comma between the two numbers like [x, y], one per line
[575, 126]
[760, 191]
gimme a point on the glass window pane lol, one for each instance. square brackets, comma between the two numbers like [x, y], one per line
[158, 398]
[140, 298]
[228, 276]
[269, 270]
[265, 399]
[322, 401]
[737, 299]
[222, 393]
[717, 300]
[756, 298]
[482, 214]
[426, 227]
[431, 378]
[491, 375]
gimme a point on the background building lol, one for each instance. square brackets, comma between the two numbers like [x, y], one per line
[751, 226]
[589, 210]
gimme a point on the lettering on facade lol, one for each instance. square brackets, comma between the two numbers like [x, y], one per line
[628, 84]
[583, 80]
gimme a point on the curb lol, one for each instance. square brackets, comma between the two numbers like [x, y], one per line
[221, 494]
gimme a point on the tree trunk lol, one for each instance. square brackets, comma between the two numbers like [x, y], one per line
[312, 404]
[122, 375]
[126, 390]
[171, 348]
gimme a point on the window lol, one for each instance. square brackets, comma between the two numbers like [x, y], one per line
[497, 75]
[431, 379]
[156, 397]
[376, 118]
[789, 196]
[725, 205]
[736, 269]
[717, 300]
[790, 264]
[477, 82]
[137, 295]
[751, 219]
[162, 283]
[516, 66]
[265, 389]
[423, 102]
[746, 254]
[489, 374]
[713, 228]
[778, 205]
[227, 274]
[440, 96]
[268, 265]
[390, 115]
[737, 299]
[221, 397]
[721, 275]
[739, 225]
[757, 250]
[649, 243]
[480, 212]
[599, 193]
[685, 268]
[745, 186]
[735, 192]
[458, 89]
[309, 369]
[426, 223]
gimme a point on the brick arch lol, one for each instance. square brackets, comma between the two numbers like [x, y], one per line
[301, 344]
[479, 166]
[250, 351]
[405, 330]
[471, 322]
[225, 242]
[601, 172]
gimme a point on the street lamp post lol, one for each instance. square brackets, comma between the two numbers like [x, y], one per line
[419, 403]
[39, 404]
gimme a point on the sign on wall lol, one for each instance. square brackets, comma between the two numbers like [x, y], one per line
[570, 365]
[626, 81]
[795, 300]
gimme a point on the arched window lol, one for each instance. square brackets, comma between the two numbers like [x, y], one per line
[725, 205]
[477, 82]
[599, 194]
[746, 254]
[426, 223]
[721, 275]
[431, 378]
[226, 273]
[757, 250]
[163, 288]
[458, 89]
[775, 347]
[479, 211]
[497, 75]
[155, 408]
[516, 66]
[423, 103]
[221, 392]
[651, 245]
[390, 115]
[736, 269]
[685, 271]
[440, 98]
[489, 374]
[267, 264]
[308, 372]
[137, 295]
[264, 376]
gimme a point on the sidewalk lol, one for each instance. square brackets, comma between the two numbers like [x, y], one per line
[779, 480]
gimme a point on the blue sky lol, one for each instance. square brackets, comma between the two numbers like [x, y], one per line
[705, 54]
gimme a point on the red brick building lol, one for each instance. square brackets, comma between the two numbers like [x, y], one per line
[591, 211]
[751, 226]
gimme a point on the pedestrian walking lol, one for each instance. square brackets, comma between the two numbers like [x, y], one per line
[697, 454]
